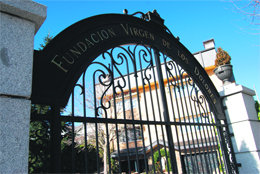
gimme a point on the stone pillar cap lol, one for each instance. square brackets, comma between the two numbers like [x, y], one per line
[233, 88]
[26, 9]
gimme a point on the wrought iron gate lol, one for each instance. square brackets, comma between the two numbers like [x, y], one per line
[135, 109]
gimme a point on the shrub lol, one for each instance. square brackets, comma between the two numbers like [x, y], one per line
[157, 159]
[223, 58]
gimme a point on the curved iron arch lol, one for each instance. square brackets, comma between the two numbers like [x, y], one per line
[59, 65]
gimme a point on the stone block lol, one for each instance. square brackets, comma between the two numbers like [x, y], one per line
[233, 88]
[25, 9]
[19, 20]
[246, 136]
[250, 162]
[239, 103]
[14, 135]
[16, 55]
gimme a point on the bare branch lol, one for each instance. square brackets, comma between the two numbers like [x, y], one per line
[250, 9]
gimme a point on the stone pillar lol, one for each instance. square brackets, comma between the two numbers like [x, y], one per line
[244, 124]
[19, 21]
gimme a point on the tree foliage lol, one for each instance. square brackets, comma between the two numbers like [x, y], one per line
[46, 41]
[157, 160]
[223, 57]
[39, 147]
[80, 163]
[40, 143]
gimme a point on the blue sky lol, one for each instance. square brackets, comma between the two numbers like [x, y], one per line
[193, 21]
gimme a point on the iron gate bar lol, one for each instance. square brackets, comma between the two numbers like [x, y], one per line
[189, 119]
[222, 142]
[233, 166]
[170, 92]
[108, 148]
[182, 86]
[125, 127]
[145, 99]
[165, 110]
[160, 116]
[181, 127]
[114, 98]
[180, 110]
[215, 162]
[210, 128]
[132, 114]
[73, 137]
[69, 118]
[151, 96]
[208, 135]
[188, 113]
[139, 105]
[202, 132]
[181, 78]
[200, 153]
[197, 111]
[207, 160]
[218, 143]
[96, 116]
[85, 124]
[55, 126]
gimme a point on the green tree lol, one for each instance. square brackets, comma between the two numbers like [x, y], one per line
[114, 165]
[39, 135]
[40, 144]
[157, 160]
[46, 41]
[40, 141]
[79, 152]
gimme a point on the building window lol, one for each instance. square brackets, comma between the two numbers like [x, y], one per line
[197, 120]
[127, 104]
[130, 134]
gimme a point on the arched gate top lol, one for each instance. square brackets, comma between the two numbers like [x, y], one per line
[59, 65]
